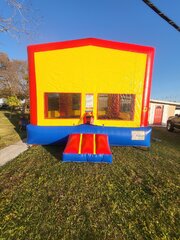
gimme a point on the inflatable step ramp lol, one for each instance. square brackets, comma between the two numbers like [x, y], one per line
[87, 148]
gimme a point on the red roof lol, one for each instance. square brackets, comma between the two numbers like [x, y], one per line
[90, 42]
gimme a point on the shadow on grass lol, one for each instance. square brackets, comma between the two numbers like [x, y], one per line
[56, 151]
[14, 118]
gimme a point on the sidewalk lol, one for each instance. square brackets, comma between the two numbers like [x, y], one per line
[9, 153]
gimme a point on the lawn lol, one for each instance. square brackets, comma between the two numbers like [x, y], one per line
[136, 197]
[9, 129]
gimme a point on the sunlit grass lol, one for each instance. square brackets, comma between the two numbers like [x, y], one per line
[9, 128]
[134, 198]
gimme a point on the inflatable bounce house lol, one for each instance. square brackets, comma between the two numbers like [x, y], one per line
[89, 93]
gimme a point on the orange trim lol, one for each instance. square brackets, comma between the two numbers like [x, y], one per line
[134, 104]
[94, 143]
[147, 88]
[117, 119]
[80, 144]
[46, 105]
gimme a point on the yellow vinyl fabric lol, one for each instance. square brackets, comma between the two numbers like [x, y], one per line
[89, 70]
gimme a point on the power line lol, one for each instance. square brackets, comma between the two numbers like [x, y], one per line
[156, 10]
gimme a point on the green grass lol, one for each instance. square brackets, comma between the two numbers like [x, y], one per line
[9, 129]
[134, 198]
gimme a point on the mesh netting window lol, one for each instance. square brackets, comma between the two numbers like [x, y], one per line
[62, 105]
[116, 106]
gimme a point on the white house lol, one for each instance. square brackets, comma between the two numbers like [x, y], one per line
[1, 101]
[161, 110]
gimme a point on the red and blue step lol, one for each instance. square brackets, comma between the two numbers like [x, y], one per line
[87, 148]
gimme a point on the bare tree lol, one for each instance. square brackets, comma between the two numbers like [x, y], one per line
[18, 18]
[13, 77]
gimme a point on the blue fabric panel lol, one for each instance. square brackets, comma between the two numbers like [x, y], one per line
[117, 136]
[97, 158]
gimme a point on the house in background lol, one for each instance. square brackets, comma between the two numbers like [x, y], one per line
[177, 110]
[161, 110]
[1, 101]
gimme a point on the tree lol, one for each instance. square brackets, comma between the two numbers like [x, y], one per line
[13, 77]
[13, 102]
[19, 19]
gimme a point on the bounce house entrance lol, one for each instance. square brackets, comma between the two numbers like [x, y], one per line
[87, 148]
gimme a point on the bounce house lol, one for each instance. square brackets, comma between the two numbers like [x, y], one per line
[89, 93]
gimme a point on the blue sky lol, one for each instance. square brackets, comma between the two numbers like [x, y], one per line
[128, 21]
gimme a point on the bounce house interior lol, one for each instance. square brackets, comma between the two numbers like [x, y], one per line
[90, 94]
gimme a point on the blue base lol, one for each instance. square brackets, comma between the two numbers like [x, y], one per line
[118, 136]
[96, 158]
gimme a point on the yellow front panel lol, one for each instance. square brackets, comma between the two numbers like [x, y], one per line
[93, 70]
